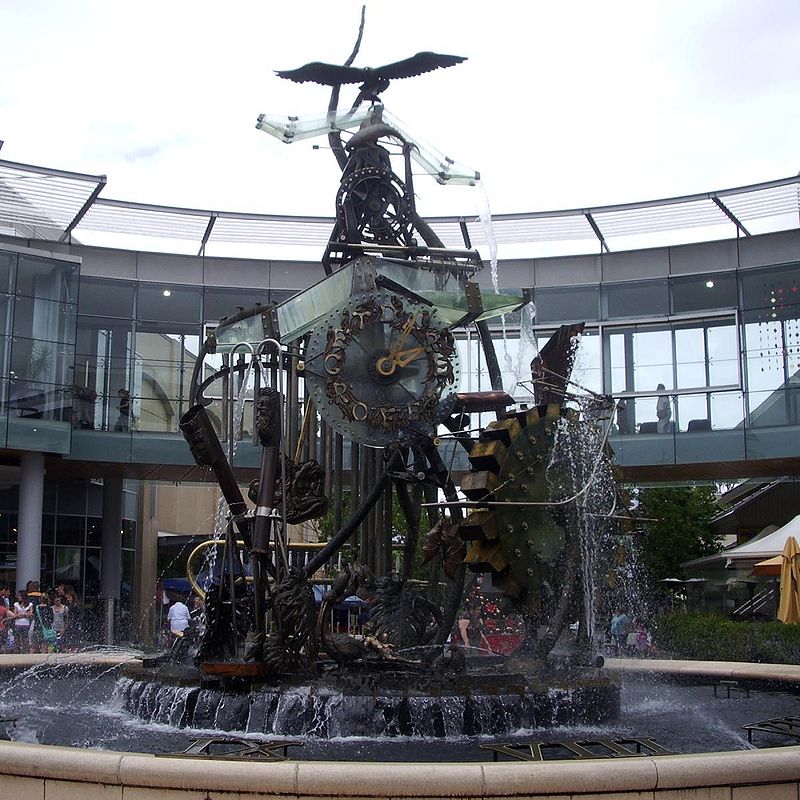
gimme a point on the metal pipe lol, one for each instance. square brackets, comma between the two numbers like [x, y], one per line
[339, 539]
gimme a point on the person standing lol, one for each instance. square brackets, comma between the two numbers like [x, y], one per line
[178, 618]
[59, 612]
[41, 635]
[619, 629]
[663, 410]
[23, 613]
[124, 406]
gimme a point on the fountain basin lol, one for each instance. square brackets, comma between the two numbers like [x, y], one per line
[57, 772]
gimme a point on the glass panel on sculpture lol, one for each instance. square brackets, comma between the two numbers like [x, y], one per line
[652, 360]
[727, 410]
[636, 299]
[703, 292]
[166, 303]
[48, 279]
[106, 298]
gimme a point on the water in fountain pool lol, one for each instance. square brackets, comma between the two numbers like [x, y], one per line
[82, 707]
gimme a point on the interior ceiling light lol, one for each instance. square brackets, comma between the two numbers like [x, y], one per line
[167, 293]
[709, 284]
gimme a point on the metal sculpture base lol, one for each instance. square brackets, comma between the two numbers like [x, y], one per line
[386, 702]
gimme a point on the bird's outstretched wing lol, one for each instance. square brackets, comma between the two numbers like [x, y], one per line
[416, 65]
[326, 74]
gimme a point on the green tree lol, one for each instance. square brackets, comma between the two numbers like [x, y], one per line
[682, 529]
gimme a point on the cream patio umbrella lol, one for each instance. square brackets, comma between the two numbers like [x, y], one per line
[789, 610]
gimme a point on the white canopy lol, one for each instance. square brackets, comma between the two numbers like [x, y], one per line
[770, 545]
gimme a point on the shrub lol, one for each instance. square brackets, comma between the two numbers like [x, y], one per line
[714, 638]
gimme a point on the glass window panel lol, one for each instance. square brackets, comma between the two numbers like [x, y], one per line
[161, 303]
[36, 400]
[43, 362]
[587, 368]
[48, 529]
[652, 360]
[129, 533]
[723, 356]
[48, 279]
[8, 263]
[727, 410]
[768, 409]
[68, 566]
[44, 320]
[72, 498]
[69, 530]
[644, 413]
[94, 531]
[6, 535]
[5, 315]
[691, 408]
[703, 292]
[775, 288]
[764, 355]
[155, 414]
[9, 499]
[616, 343]
[91, 575]
[640, 299]
[218, 303]
[106, 298]
[573, 304]
[690, 357]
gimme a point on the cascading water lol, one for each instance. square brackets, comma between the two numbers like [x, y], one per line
[517, 366]
[581, 473]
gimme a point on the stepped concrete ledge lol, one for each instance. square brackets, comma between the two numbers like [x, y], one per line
[54, 773]
[98, 658]
[739, 670]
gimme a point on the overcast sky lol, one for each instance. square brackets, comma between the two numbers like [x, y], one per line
[560, 104]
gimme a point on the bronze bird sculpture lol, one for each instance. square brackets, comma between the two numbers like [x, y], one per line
[373, 80]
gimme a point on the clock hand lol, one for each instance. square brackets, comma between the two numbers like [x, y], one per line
[404, 357]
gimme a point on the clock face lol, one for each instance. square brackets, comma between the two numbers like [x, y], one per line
[382, 370]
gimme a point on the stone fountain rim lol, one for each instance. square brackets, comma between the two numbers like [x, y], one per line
[65, 769]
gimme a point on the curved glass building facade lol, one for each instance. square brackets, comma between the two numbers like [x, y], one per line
[98, 344]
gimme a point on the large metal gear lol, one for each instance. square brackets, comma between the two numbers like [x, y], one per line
[382, 370]
[520, 545]
[372, 206]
